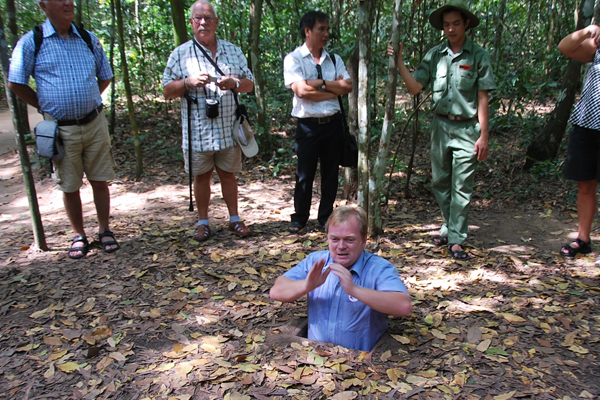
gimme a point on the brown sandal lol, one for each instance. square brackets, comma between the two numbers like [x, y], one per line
[240, 229]
[202, 233]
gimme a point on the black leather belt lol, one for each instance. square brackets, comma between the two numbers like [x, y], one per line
[322, 120]
[83, 120]
[456, 117]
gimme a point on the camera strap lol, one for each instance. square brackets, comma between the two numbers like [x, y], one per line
[196, 44]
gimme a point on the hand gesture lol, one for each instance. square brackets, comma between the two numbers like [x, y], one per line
[226, 83]
[199, 80]
[345, 277]
[316, 277]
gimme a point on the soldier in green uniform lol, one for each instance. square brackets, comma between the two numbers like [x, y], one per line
[460, 73]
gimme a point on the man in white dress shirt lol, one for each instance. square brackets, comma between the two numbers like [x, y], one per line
[317, 79]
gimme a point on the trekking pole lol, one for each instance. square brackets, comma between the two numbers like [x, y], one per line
[190, 100]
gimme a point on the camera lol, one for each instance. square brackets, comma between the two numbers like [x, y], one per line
[212, 108]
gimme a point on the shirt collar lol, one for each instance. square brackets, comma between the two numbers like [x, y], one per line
[219, 47]
[305, 52]
[360, 263]
[49, 30]
[467, 46]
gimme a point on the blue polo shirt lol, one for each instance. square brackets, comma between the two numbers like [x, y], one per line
[66, 72]
[336, 317]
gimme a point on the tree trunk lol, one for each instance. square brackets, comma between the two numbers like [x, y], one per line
[79, 12]
[138, 35]
[180, 23]
[546, 143]
[113, 83]
[130, 107]
[19, 105]
[36, 219]
[336, 16]
[255, 21]
[365, 12]
[415, 139]
[350, 179]
[551, 33]
[499, 29]
[376, 178]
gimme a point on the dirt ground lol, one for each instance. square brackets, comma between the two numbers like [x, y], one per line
[168, 318]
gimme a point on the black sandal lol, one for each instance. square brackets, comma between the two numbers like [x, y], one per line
[440, 240]
[108, 243]
[460, 255]
[582, 247]
[81, 249]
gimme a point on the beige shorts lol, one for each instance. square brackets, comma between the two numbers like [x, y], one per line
[228, 160]
[87, 149]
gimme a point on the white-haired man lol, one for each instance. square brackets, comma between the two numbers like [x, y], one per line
[192, 70]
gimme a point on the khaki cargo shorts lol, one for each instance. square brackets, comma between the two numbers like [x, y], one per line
[228, 160]
[87, 149]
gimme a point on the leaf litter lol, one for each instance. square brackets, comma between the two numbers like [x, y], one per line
[168, 318]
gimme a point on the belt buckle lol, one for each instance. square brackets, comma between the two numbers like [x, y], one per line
[323, 120]
[452, 117]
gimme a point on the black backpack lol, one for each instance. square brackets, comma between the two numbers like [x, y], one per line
[38, 38]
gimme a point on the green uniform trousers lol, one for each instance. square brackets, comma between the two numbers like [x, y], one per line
[453, 162]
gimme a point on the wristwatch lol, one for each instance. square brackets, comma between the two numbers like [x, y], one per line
[237, 84]
[323, 86]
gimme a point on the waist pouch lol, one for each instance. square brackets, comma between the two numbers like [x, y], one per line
[48, 141]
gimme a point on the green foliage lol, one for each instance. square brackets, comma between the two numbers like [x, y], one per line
[552, 169]
[527, 67]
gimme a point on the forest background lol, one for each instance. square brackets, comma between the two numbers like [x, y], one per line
[521, 38]
[168, 318]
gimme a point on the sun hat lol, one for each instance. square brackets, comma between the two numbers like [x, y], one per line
[244, 137]
[436, 20]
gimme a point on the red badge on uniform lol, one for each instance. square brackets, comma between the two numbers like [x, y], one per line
[467, 67]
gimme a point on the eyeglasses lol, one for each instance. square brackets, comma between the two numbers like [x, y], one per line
[319, 72]
[207, 19]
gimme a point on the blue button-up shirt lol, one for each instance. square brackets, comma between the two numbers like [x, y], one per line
[66, 72]
[338, 318]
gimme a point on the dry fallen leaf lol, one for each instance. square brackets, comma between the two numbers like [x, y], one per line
[345, 395]
[505, 396]
[512, 317]
[68, 367]
[484, 345]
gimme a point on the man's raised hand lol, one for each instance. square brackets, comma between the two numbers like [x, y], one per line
[316, 277]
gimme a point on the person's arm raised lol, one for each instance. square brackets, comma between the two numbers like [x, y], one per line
[392, 303]
[288, 290]
[412, 84]
[581, 45]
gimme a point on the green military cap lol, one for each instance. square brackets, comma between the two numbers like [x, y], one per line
[435, 18]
